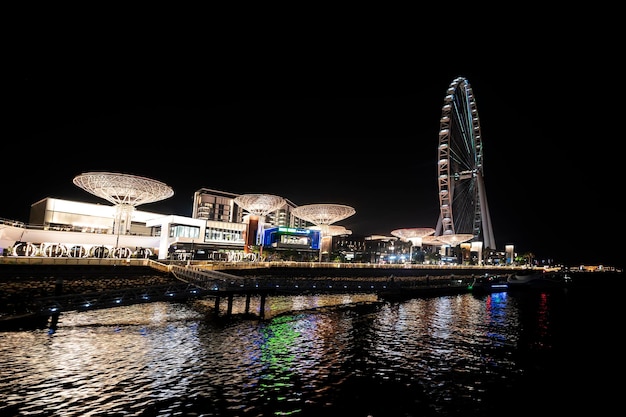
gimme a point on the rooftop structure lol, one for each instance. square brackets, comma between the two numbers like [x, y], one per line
[336, 230]
[431, 240]
[125, 191]
[258, 205]
[455, 239]
[323, 214]
[413, 235]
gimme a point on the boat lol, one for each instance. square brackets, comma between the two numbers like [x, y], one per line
[539, 279]
[489, 284]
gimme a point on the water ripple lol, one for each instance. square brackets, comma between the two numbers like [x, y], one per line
[351, 356]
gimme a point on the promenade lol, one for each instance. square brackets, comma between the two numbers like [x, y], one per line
[43, 286]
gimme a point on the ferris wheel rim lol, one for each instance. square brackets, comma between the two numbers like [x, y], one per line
[460, 165]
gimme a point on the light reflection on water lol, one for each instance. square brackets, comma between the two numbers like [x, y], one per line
[278, 305]
[452, 355]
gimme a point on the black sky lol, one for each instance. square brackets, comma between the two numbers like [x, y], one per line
[360, 133]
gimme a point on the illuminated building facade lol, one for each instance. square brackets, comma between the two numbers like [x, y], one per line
[220, 206]
[292, 238]
[62, 228]
[217, 231]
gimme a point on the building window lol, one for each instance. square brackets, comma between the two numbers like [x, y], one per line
[179, 230]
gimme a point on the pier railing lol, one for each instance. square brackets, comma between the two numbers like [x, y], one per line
[218, 281]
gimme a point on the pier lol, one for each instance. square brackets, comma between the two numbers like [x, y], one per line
[222, 285]
[41, 288]
[185, 282]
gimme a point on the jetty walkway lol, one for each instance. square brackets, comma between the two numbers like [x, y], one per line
[220, 282]
[188, 281]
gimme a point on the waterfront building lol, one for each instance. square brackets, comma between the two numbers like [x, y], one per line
[216, 231]
[219, 228]
[220, 206]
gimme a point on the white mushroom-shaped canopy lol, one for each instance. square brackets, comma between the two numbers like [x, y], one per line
[123, 189]
[334, 230]
[323, 214]
[413, 233]
[382, 237]
[260, 204]
[455, 239]
[432, 241]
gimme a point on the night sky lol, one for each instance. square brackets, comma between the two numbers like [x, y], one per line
[360, 133]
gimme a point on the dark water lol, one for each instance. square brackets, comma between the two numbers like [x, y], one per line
[531, 353]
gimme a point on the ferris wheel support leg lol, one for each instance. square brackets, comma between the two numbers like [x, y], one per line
[489, 240]
[438, 228]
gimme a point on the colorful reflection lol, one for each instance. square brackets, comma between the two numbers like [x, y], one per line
[496, 309]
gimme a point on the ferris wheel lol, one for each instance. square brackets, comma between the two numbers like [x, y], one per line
[462, 198]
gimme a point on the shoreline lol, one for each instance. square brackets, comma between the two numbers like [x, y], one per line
[34, 282]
